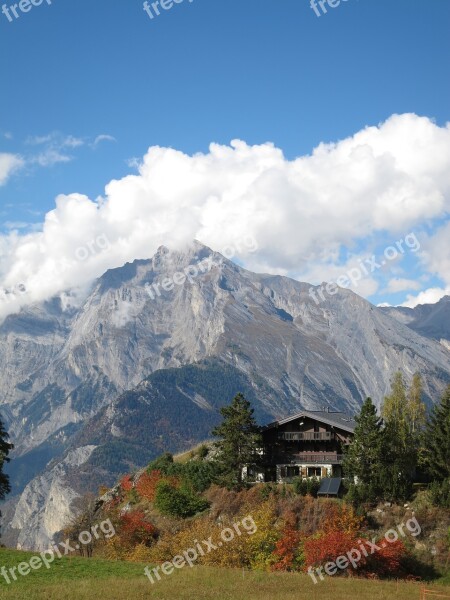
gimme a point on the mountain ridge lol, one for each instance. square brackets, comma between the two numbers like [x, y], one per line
[64, 369]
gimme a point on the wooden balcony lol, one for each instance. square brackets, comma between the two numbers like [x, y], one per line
[310, 458]
[291, 436]
[318, 457]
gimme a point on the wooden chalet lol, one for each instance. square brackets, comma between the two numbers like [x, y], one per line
[307, 444]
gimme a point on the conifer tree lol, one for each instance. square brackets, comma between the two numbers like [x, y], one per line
[437, 440]
[5, 448]
[239, 441]
[363, 457]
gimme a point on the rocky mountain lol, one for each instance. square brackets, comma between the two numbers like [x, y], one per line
[430, 320]
[157, 346]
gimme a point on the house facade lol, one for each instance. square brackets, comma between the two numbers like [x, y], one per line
[307, 444]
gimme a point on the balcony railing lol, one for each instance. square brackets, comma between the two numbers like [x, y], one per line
[325, 457]
[328, 458]
[305, 436]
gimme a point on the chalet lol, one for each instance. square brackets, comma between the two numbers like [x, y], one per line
[307, 444]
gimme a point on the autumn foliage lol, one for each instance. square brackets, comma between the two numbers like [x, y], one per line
[326, 547]
[126, 483]
[287, 550]
[147, 483]
[135, 529]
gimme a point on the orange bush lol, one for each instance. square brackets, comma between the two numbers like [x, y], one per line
[148, 482]
[327, 547]
[341, 517]
[387, 561]
[287, 550]
[134, 529]
[146, 485]
[126, 483]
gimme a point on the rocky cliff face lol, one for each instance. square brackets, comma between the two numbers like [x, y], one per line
[61, 369]
[45, 505]
[430, 320]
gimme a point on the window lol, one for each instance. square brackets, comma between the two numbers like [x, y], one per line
[314, 471]
[289, 471]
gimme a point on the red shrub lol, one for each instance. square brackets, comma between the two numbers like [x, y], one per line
[286, 550]
[148, 482]
[328, 546]
[146, 485]
[134, 529]
[126, 483]
[387, 561]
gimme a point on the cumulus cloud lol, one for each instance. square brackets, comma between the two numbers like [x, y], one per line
[383, 181]
[8, 164]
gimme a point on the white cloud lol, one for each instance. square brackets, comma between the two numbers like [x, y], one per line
[8, 164]
[38, 140]
[402, 285]
[15, 225]
[54, 150]
[430, 296]
[383, 181]
[56, 147]
[103, 138]
[72, 142]
[436, 253]
[50, 157]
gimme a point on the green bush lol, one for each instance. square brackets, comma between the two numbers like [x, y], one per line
[305, 487]
[163, 463]
[440, 493]
[178, 502]
[203, 451]
[195, 475]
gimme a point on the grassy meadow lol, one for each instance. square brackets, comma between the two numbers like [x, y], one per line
[74, 578]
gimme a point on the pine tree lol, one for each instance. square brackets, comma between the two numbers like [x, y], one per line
[5, 448]
[363, 458]
[239, 441]
[437, 440]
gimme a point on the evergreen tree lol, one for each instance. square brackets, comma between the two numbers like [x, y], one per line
[5, 448]
[363, 457]
[437, 440]
[239, 441]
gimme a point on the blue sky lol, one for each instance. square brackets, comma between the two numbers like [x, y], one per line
[89, 86]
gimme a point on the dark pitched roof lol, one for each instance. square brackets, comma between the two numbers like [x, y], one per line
[337, 419]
